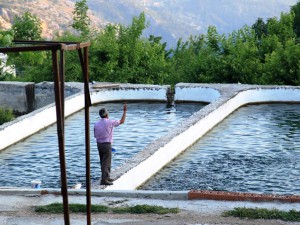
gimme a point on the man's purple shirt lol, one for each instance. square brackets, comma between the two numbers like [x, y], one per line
[103, 130]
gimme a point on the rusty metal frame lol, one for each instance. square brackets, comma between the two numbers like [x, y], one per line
[58, 69]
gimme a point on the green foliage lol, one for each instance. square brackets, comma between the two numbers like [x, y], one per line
[261, 213]
[30, 66]
[6, 115]
[217, 58]
[265, 54]
[282, 28]
[282, 65]
[81, 21]
[296, 25]
[74, 208]
[73, 71]
[105, 54]
[81, 208]
[143, 209]
[119, 53]
[187, 61]
[260, 28]
[6, 37]
[27, 27]
[241, 50]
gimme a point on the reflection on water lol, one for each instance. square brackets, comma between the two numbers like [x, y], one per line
[37, 157]
[256, 149]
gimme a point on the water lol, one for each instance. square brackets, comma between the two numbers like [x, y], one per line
[37, 157]
[256, 149]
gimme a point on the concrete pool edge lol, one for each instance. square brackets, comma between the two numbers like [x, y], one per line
[161, 195]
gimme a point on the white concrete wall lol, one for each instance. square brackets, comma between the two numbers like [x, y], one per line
[133, 92]
[27, 125]
[146, 169]
[194, 93]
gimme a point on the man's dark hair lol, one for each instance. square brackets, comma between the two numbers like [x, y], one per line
[103, 112]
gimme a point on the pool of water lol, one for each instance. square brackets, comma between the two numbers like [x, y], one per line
[256, 149]
[37, 157]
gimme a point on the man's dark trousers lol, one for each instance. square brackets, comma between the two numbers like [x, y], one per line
[105, 159]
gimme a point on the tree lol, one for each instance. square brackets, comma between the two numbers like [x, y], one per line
[6, 71]
[187, 63]
[6, 37]
[104, 52]
[260, 28]
[73, 70]
[27, 27]
[282, 66]
[282, 28]
[81, 21]
[296, 10]
[29, 64]
[241, 64]
[119, 53]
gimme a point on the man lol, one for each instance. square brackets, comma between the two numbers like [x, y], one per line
[103, 132]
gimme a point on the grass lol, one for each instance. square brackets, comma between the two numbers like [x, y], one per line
[260, 213]
[75, 208]
[81, 208]
[6, 115]
[143, 209]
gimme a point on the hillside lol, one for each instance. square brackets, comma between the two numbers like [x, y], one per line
[170, 19]
[173, 19]
[55, 15]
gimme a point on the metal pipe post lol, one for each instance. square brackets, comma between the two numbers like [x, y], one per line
[60, 133]
[87, 100]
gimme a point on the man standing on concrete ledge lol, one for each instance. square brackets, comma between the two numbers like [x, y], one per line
[103, 132]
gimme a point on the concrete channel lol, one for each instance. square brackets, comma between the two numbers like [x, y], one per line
[223, 99]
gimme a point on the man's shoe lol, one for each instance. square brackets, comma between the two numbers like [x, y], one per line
[106, 182]
[110, 179]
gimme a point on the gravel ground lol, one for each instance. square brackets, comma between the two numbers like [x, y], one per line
[184, 217]
[19, 210]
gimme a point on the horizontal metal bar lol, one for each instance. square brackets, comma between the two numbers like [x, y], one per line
[81, 44]
[75, 46]
[43, 42]
[85, 44]
[70, 47]
[30, 48]
[44, 46]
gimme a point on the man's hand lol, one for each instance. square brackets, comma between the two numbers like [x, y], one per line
[124, 114]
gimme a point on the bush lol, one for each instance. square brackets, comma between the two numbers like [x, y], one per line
[6, 115]
[143, 209]
[261, 213]
[81, 208]
[75, 208]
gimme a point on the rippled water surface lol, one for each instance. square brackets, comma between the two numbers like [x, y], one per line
[256, 149]
[37, 157]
